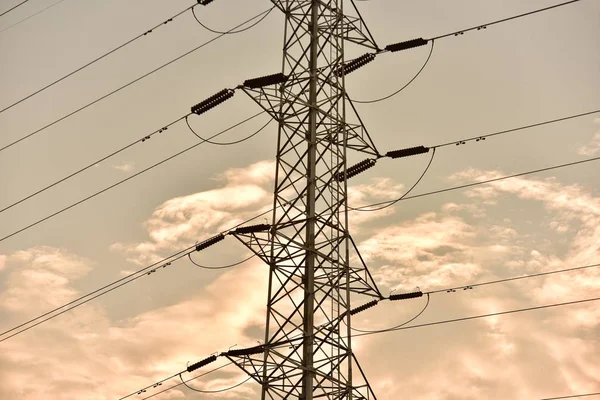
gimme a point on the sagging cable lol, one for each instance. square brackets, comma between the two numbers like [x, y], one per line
[252, 228]
[411, 151]
[245, 352]
[409, 44]
[202, 363]
[404, 296]
[354, 170]
[355, 64]
[364, 307]
[267, 80]
[209, 242]
[213, 101]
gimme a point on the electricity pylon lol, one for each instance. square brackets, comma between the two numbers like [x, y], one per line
[307, 352]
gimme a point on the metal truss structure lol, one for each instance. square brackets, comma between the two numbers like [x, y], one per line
[307, 352]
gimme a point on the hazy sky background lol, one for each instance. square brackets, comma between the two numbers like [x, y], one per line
[537, 68]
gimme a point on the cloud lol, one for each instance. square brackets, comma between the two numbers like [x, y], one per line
[85, 354]
[2, 262]
[181, 221]
[125, 166]
[41, 267]
[592, 148]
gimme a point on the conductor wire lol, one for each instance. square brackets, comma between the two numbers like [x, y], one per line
[122, 181]
[179, 384]
[32, 15]
[403, 87]
[97, 59]
[394, 327]
[126, 85]
[389, 204]
[14, 7]
[222, 266]
[231, 32]
[214, 391]
[227, 143]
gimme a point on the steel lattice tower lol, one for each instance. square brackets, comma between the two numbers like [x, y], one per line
[307, 352]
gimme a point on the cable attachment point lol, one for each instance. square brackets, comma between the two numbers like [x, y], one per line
[246, 352]
[411, 151]
[209, 242]
[201, 363]
[213, 101]
[404, 296]
[354, 170]
[253, 228]
[409, 44]
[267, 80]
[355, 64]
[368, 305]
[205, 2]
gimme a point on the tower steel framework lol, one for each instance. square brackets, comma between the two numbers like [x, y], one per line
[307, 352]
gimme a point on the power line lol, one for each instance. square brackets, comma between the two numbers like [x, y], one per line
[14, 7]
[159, 383]
[483, 26]
[455, 33]
[483, 316]
[558, 271]
[214, 391]
[146, 32]
[111, 286]
[128, 84]
[471, 286]
[572, 396]
[460, 142]
[230, 32]
[403, 87]
[17, 330]
[483, 137]
[363, 208]
[31, 16]
[92, 164]
[126, 179]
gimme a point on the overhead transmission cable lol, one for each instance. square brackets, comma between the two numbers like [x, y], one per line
[200, 108]
[178, 384]
[464, 287]
[186, 381]
[32, 15]
[409, 44]
[233, 32]
[403, 87]
[573, 396]
[214, 391]
[515, 278]
[13, 8]
[146, 32]
[165, 262]
[412, 151]
[520, 310]
[468, 185]
[130, 83]
[39, 221]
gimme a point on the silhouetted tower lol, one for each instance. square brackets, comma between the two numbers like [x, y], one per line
[307, 352]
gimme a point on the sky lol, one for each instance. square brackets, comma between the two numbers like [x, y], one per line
[521, 72]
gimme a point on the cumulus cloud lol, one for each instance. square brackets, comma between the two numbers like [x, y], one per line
[592, 148]
[181, 221]
[41, 267]
[85, 354]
